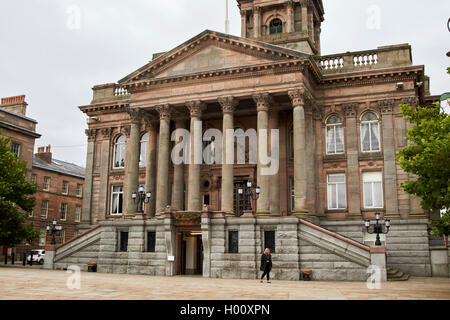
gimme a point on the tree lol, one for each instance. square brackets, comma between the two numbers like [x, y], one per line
[428, 157]
[16, 202]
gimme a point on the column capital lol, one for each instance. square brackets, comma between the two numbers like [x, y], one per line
[91, 134]
[135, 114]
[228, 104]
[300, 97]
[386, 106]
[150, 121]
[106, 133]
[350, 109]
[126, 130]
[263, 101]
[164, 112]
[412, 101]
[196, 108]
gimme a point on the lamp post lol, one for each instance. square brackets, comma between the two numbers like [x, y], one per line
[251, 195]
[378, 228]
[142, 197]
[54, 228]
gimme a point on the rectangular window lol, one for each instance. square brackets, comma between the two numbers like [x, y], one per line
[65, 187]
[123, 241]
[79, 190]
[47, 181]
[233, 242]
[336, 192]
[373, 190]
[42, 237]
[206, 200]
[33, 178]
[117, 200]
[269, 240]
[62, 237]
[15, 148]
[151, 241]
[77, 214]
[63, 211]
[44, 209]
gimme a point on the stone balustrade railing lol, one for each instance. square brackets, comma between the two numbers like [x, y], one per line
[383, 57]
[109, 92]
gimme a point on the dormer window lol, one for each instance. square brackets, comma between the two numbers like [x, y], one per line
[276, 26]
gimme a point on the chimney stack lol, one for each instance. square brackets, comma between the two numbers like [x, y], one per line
[45, 154]
[15, 104]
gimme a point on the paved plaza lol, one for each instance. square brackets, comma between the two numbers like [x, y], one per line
[39, 284]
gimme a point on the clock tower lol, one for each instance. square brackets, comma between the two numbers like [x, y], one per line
[295, 24]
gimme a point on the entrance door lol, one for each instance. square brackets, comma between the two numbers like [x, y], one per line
[240, 200]
[190, 253]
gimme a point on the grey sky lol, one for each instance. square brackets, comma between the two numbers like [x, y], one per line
[56, 66]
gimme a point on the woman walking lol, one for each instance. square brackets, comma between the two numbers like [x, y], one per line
[266, 265]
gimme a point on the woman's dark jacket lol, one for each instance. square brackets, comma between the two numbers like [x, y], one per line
[264, 262]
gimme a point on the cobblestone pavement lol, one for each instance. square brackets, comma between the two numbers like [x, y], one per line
[38, 284]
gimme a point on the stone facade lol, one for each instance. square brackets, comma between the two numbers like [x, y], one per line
[318, 103]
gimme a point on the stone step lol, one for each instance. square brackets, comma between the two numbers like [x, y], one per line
[395, 275]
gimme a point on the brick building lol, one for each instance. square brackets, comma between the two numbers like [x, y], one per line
[60, 195]
[339, 126]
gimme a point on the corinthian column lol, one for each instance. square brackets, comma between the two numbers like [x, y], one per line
[228, 105]
[290, 16]
[243, 24]
[257, 22]
[196, 156]
[162, 189]
[298, 98]
[132, 173]
[262, 101]
[178, 177]
[274, 179]
[150, 169]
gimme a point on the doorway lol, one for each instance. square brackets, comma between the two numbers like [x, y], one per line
[190, 253]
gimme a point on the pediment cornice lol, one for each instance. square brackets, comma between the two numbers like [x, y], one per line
[210, 38]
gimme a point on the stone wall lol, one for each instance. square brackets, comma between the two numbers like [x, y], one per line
[407, 247]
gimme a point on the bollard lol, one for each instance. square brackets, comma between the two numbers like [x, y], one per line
[13, 257]
[24, 260]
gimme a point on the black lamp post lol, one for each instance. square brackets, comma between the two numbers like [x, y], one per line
[250, 194]
[378, 228]
[53, 229]
[142, 198]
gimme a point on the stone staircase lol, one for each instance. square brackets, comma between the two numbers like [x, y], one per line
[395, 275]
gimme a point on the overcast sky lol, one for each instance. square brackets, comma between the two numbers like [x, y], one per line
[47, 55]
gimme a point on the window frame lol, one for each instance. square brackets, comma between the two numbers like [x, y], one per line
[66, 210]
[370, 124]
[47, 202]
[336, 184]
[112, 200]
[143, 163]
[123, 145]
[46, 186]
[65, 188]
[335, 126]
[273, 249]
[19, 148]
[275, 29]
[147, 247]
[79, 191]
[229, 239]
[380, 173]
[78, 214]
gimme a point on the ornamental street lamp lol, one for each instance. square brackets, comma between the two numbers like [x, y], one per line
[142, 197]
[251, 195]
[378, 228]
[54, 228]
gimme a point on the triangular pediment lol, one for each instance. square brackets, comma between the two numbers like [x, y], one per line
[211, 58]
[210, 51]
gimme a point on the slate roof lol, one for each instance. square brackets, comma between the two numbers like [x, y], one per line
[60, 167]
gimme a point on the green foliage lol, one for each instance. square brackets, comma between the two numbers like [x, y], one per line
[16, 202]
[428, 157]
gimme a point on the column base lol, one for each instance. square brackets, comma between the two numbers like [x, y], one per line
[248, 214]
[263, 214]
[301, 213]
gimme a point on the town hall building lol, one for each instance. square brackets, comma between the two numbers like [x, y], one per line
[339, 130]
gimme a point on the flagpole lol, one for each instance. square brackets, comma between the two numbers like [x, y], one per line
[227, 21]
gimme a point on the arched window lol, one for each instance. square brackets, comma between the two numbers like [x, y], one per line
[335, 135]
[143, 152]
[370, 132]
[119, 152]
[276, 26]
